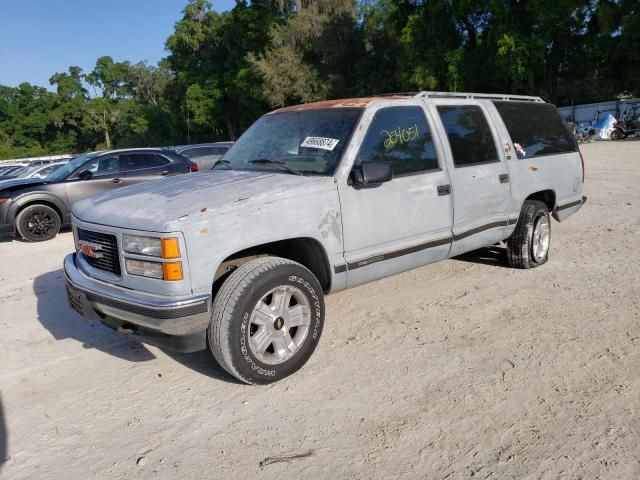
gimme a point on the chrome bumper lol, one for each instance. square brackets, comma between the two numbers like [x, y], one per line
[177, 323]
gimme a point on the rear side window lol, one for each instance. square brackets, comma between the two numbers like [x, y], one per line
[220, 150]
[536, 129]
[138, 161]
[400, 135]
[469, 135]
[200, 152]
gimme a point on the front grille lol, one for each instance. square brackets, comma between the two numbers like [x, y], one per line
[109, 261]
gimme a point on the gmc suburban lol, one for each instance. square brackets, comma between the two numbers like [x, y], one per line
[314, 199]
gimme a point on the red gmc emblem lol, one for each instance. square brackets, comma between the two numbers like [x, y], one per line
[89, 249]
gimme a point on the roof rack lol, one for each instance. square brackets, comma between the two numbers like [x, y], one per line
[479, 96]
[397, 94]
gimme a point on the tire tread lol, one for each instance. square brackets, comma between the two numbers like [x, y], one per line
[225, 303]
[519, 243]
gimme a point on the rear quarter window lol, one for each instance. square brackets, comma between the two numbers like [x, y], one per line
[536, 129]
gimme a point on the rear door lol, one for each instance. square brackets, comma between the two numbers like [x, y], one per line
[144, 166]
[478, 171]
[106, 176]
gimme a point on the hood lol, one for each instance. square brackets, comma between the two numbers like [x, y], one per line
[18, 183]
[160, 205]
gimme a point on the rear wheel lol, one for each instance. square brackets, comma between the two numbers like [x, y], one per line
[37, 223]
[617, 134]
[267, 320]
[528, 246]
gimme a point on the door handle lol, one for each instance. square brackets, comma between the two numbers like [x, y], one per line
[116, 180]
[444, 190]
[164, 173]
[504, 178]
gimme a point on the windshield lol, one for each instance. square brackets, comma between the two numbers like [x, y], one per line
[306, 141]
[70, 167]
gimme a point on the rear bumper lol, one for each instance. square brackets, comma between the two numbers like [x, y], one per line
[177, 323]
[562, 212]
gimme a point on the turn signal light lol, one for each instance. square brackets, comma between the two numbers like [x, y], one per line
[172, 271]
[170, 248]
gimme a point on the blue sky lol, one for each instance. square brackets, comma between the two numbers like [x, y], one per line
[41, 37]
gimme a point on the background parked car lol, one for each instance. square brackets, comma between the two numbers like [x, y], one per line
[36, 208]
[206, 155]
[37, 171]
[8, 169]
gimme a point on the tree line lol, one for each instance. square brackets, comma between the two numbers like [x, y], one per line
[223, 70]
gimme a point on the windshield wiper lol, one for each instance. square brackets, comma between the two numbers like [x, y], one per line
[279, 163]
[224, 162]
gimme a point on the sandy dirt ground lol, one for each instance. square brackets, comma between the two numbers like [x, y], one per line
[462, 369]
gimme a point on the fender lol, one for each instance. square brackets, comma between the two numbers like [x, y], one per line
[35, 197]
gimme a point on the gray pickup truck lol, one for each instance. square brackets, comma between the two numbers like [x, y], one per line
[311, 200]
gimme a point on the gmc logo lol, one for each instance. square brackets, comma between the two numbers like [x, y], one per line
[89, 249]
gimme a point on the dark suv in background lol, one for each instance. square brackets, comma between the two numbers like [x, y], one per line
[35, 209]
[206, 155]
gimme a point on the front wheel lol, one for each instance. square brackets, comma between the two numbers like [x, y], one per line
[267, 320]
[37, 223]
[528, 246]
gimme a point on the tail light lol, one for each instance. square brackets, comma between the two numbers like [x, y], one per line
[193, 167]
[582, 164]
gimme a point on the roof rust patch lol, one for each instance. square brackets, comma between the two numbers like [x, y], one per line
[340, 103]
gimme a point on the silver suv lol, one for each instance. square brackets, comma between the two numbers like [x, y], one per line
[311, 200]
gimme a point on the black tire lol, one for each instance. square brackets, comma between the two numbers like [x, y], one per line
[230, 327]
[617, 134]
[520, 244]
[37, 223]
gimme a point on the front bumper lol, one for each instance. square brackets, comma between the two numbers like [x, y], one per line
[6, 228]
[6, 225]
[177, 324]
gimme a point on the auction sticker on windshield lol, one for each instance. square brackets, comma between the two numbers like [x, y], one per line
[320, 142]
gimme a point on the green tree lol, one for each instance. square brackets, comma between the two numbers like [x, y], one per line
[109, 103]
[215, 89]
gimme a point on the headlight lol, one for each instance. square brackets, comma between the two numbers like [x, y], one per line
[170, 271]
[142, 245]
[152, 247]
[144, 269]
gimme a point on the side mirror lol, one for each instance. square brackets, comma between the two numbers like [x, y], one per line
[371, 174]
[85, 175]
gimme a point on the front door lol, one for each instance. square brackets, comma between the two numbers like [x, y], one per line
[106, 175]
[406, 222]
[479, 174]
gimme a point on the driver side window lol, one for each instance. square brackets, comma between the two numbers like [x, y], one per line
[401, 136]
[102, 166]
